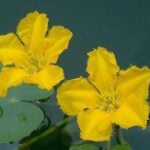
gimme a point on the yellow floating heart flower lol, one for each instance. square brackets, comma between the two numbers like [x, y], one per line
[108, 96]
[29, 56]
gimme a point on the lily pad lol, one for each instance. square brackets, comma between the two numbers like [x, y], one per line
[18, 119]
[27, 92]
[84, 147]
[121, 147]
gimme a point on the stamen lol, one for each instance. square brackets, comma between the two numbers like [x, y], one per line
[35, 66]
[109, 102]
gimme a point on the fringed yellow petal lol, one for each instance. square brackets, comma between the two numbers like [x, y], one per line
[11, 76]
[102, 68]
[95, 125]
[32, 30]
[12, 51]
[48, 77]
[56, 42]
[133, 112]
[76, 95]
[134, 80]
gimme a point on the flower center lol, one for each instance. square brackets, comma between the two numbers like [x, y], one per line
[35, 66]
[109, 102]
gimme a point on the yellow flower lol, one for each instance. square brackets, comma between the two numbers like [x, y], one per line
[108, 96]
[29, 56]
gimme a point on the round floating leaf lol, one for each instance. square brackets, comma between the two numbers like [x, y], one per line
[121, 147]
[27, 92]
[84, 147]
[18, 119]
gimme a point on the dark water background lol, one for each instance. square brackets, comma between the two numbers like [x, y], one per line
[121, 26]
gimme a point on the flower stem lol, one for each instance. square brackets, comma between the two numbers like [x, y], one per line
[119, 138]
[44, 134]
[108, 145]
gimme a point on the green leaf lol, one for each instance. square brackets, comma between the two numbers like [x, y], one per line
[18, 119]
[27, 92]
[121, 147]
[1, 66]
[84, 147]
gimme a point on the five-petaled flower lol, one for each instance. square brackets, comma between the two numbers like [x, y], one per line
[29, 56]
[108, 96]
